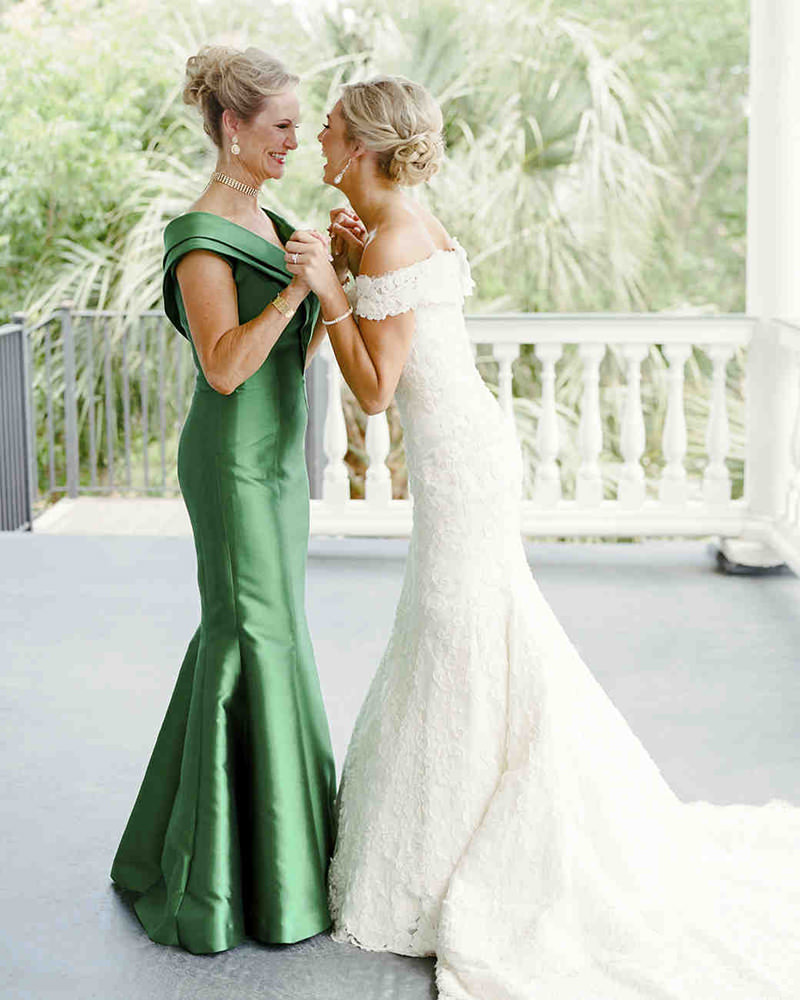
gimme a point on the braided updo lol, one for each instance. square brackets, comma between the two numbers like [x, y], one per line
[220, 77]
[399, 120]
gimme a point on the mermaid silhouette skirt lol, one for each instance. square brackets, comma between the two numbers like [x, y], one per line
[232, 830]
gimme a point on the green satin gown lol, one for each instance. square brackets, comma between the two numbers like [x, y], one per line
[233, 827]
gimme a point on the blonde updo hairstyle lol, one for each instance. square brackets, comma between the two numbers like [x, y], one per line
[219, 77]
[399, 120]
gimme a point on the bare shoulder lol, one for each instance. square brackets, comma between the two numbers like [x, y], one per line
[204, 265]
[204, 276]
[397, 245]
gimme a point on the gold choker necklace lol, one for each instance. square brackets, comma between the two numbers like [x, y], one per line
[236, 185]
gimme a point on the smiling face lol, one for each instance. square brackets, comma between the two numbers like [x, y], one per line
[336, 147]
[266, 139]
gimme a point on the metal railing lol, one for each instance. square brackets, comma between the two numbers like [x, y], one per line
[109, 396]
[16, 479]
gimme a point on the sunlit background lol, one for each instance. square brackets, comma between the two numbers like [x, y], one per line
[597, 159]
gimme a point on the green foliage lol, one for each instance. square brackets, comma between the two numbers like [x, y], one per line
[76, 110]
[597, 153]
[545, 185]
[695, 56]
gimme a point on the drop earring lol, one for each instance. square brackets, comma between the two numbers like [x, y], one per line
[235, 148]
[342, 172]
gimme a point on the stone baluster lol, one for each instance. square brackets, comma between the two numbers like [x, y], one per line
[335, 480]
[716, 478]
[632, 440]
[673, 487]
[589, 487]
[547, 487]
[505, 355]
[378, 488]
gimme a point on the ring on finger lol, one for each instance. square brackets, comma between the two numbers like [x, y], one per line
[294, 258]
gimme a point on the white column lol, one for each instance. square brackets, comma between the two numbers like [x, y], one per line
[632, 482]
[378, 486]
[768, 416]
[547, 487]
[773, 167]
[589, 486]
[791, 510]
[335, 480]
[716, 478]
[773, 255]
[672, 488]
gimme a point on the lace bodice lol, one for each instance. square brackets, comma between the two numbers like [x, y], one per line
[443, 277]
[444, 405]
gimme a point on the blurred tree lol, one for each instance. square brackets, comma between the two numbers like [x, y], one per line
[597, 154]
[695, 55]
[559, 179]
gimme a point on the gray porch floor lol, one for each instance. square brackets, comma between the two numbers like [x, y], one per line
[705, 667]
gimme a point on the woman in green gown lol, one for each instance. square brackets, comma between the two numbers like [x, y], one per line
[232, 830]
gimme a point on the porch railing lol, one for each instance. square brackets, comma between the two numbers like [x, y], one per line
[604, 434]
[598, 498]
[16, 483]
[109, 394]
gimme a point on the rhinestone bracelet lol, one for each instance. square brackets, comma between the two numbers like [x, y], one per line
[330, 322]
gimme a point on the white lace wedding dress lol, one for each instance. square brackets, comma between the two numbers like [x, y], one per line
[495, 809]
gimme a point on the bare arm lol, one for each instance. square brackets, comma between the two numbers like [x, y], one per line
[371, 353]
[229, 352]
[347, 235]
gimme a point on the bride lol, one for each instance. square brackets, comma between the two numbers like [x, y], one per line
[495, 808]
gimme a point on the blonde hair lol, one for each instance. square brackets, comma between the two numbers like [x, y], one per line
[398, 119]
[219, 77]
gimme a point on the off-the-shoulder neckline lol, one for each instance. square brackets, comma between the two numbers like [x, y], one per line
[281, 248]
[455, 249]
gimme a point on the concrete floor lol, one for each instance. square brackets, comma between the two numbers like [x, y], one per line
[705, 667]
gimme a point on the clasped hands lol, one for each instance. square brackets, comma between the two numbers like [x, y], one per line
[319, 260]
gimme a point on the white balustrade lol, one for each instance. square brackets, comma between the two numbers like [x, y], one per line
[589, 487]
[378, 487]
[673, 488]
[677, 509]
[335, 480]
[547, 485]
[632, 439]
[716, 479]
[765, 521]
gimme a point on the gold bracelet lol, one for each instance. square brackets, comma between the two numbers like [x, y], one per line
[330, 322]
[282, 306]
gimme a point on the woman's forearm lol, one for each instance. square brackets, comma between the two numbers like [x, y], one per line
[241, 351]
[355, 362]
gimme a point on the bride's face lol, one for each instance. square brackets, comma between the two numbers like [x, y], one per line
[336, 147]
